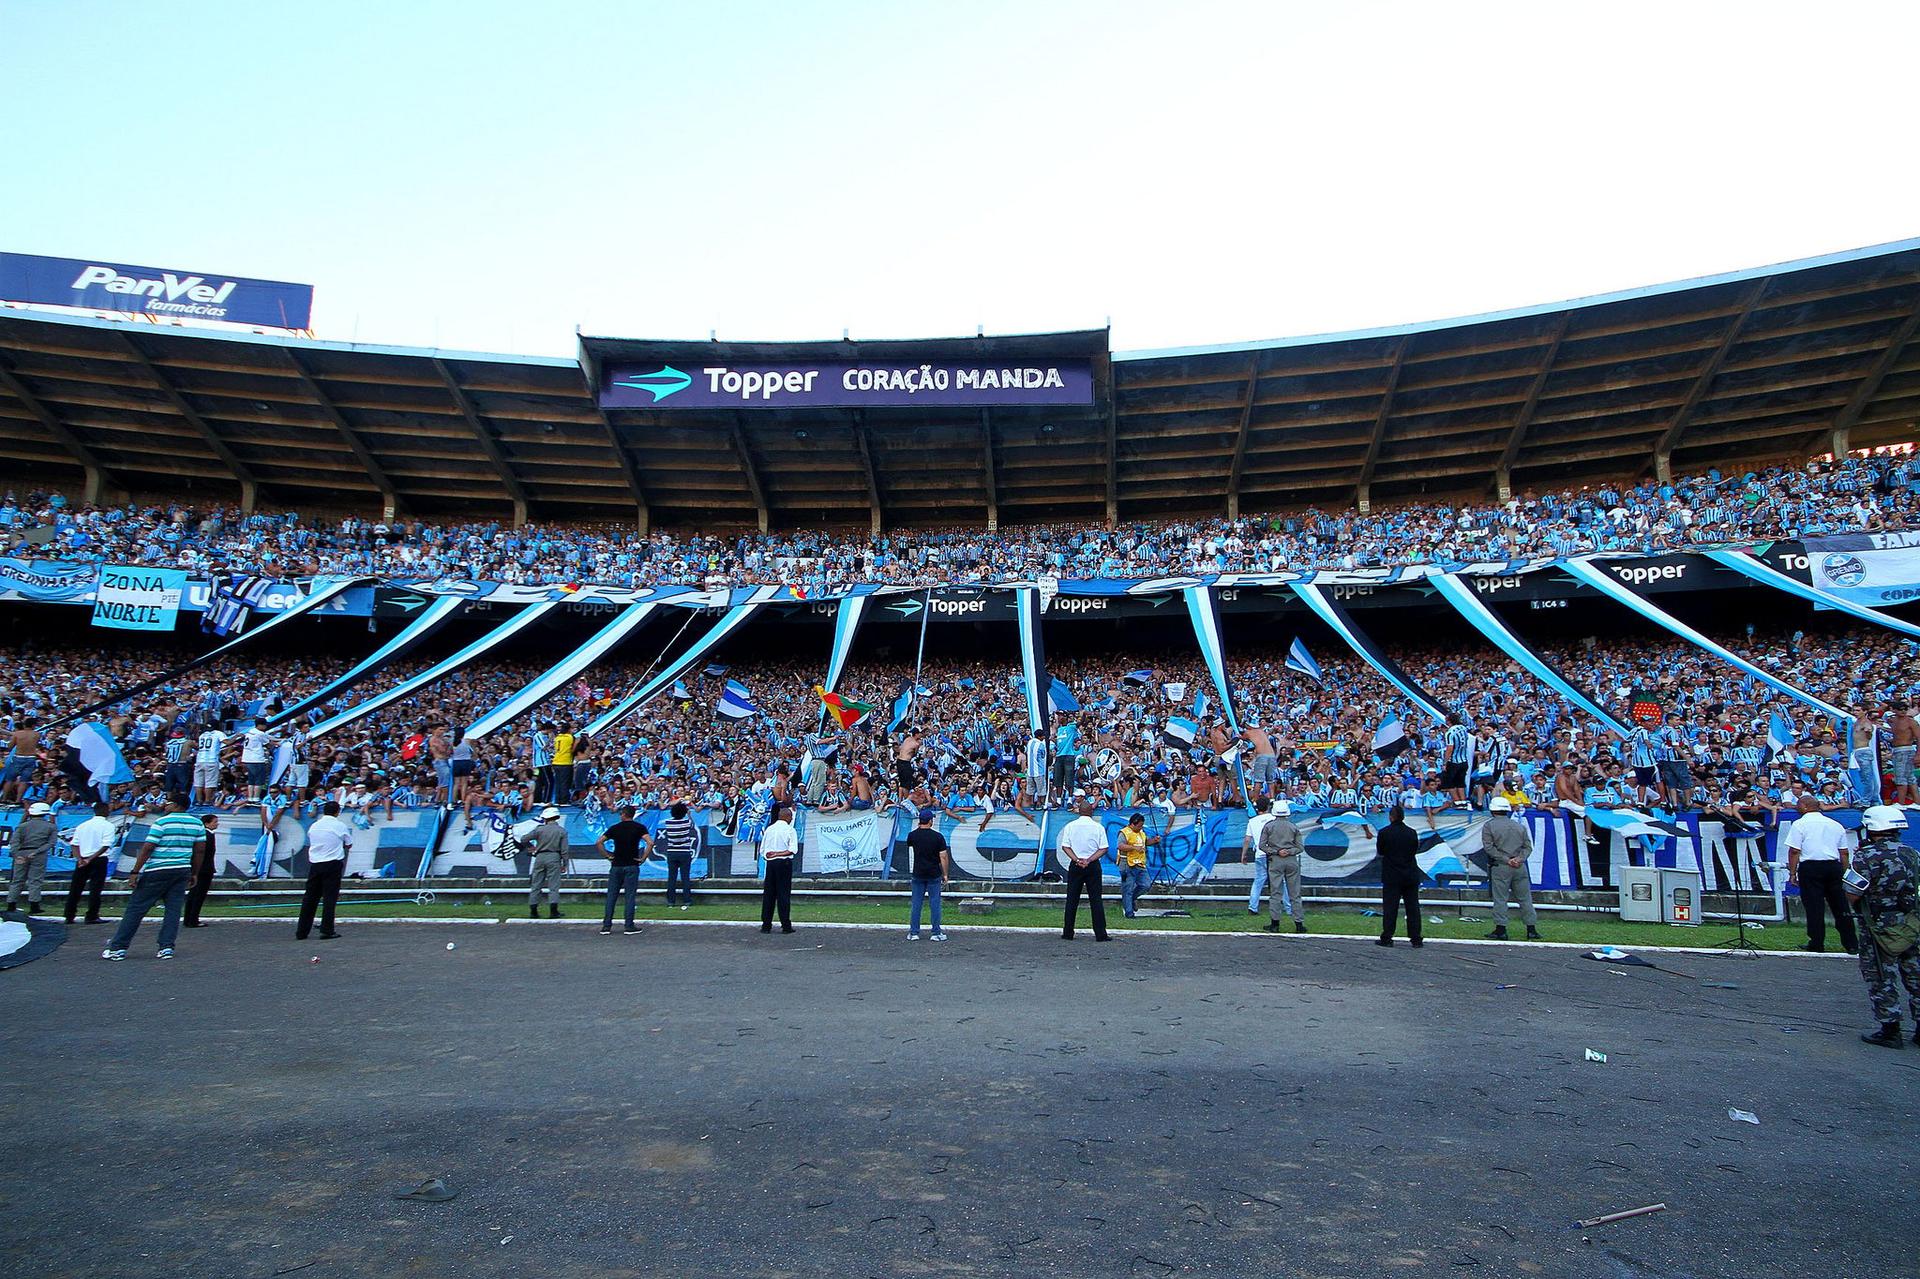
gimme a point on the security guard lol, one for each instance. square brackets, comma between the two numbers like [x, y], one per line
[1508, 846]
[549, 840]
[1885, 888]
[32, 842]
[1281, 843]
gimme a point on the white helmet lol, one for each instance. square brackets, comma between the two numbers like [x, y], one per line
[1500, 805]
[1281, 808]
[1883, 817]
[549, 814]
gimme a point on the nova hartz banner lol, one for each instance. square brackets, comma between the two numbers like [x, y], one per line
[156, 291]
[138, 599]
[696, 383]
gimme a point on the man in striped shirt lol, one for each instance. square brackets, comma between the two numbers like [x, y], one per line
[1459, 756]
[162, 871]
[679, 839]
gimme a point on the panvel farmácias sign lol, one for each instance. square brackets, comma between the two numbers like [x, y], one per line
[698, 384]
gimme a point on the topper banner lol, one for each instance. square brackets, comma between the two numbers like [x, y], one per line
[694, 382]
[160, 292]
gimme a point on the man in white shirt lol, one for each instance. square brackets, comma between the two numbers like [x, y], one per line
[779, 846]
[206, 766]
[327, 842]
[1083, 843]
[1250, 844]
[92, 841]
[256, 752]
[1817, 860]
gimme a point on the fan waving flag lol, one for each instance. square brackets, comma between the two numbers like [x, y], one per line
[845, 711]
[1390, 738]
[902, 707]
[1299, 659]
[233, 603]
[1179, 733]
[736, 702]
[1061, 698]
[99, 754]
[1141, 678]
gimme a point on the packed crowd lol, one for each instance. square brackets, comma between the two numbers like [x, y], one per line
[1871, 493]
[962, 743]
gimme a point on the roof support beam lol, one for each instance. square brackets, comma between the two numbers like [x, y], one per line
[1869, 385]
[993, 488]
[489, 442]
[91, 466]
[1363, 487]
[866, 466]
[1113, 451]
[249, 484]
[1240, 440]
[1503, 469]
[738, 434]
[1677, 427]
[389, 494]
[643, 517]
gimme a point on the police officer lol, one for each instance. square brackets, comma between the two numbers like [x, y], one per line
[1885, 887]
[549, 842]
[1398, 848]
[1508, 846]
[1281, 843]
[32, 841]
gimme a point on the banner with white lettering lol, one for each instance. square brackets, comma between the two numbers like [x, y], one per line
[1875, 569]
[138, 599]
[154, 291]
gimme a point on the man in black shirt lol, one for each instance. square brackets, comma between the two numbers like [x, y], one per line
[931, 866]
[626, 844]
[1399, 877]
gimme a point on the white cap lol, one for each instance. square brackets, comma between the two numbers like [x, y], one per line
[1500, 805]
[549, 813]
[1281, 808]
[1883, 817]
[39, 810]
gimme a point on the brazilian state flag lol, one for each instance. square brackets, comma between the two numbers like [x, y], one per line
[845, 711]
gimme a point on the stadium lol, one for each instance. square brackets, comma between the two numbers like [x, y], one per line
[655, 810]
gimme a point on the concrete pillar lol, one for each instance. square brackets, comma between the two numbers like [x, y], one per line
[1113, 511]
[1838, 442]
[1364, 498]
[519, 512]
[389, 505]
[873, 522]
[249, 496]
[90, 494]
[1233, 504]
[993, 517]
[1503, 484]
[643, 520]
[762, 514]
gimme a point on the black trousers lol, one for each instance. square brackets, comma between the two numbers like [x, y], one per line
[90, 881]
[1393, 894]
[1821, 890]
[1088, 879]
[323, 890]
[680, 875]
[777, 890]
[202, 885]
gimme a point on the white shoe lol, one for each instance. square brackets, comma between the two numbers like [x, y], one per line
[684, 905]
[113, 954]
[939, 936]
[165, 952]
[913, 936]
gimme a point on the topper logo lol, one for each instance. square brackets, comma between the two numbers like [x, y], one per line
[1351, 592]
[1079, 605]
[1651, 573]
[169, 286]
[1492, 585]
[960, 606]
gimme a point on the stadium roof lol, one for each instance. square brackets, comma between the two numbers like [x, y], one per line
[1773, 363]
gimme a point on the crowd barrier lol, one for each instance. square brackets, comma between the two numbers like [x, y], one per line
[1193, 847]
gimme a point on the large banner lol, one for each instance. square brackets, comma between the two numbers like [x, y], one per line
[46, 581]
[131, 598]
[1875, 569]
[693, 382]
[849, 843]
[155, 291]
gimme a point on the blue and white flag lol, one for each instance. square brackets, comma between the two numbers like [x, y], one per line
[1780, 738]
[1061, 698]
[736, 702]
[902, 707]
[1299, 659]
[233, 602]
[715, 669]
[1176, 691]
[1178, 732]
[1142, 678]
[679, 691]
[282, 761]
[1200, 704]
[1390, 738]
[99, 754]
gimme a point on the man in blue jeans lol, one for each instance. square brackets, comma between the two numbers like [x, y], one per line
[931, 868]
[627, 845]
[162, 871]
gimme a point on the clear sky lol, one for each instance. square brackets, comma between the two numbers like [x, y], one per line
[487, 176]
